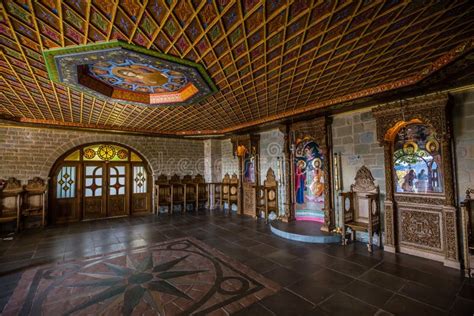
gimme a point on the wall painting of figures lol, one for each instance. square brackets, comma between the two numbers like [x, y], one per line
[309, 181]
[417, 160]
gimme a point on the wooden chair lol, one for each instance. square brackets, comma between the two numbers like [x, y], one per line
[361, 207]
[202, 189]
[270, 187]
[225, 190]
[163, 193]
[467, 222]
[34, 202]
[189, 192]
[217, 194]
[177, 193]
[10, 201]
[233, 192]
[260, 201]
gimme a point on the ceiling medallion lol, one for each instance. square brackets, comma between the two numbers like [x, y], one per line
[129, 74]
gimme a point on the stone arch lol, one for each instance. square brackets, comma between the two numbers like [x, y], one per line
[68, 145]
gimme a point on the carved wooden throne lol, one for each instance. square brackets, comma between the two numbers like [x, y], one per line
[361, 207]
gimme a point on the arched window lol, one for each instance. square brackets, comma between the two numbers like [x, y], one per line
[417, 160]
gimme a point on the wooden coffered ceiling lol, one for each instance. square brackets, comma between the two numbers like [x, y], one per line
[270, 59]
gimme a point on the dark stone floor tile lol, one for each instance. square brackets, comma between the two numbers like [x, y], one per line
[283, 276]
[342, 304]
[260, 264]
[311, 290]
[384, 280]
[332, 279]
[438, 297]
[282, 257]
[400, 305]
[467, 290]
[430, 280]
[368, 293]
[364, 260]
[348, 268]
[321, 258]
[262, 249]
[304, 266]
[287, 303]
[256, 309]
[246, 242]
[462, 307]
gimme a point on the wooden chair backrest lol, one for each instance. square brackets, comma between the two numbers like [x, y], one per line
[10, 197]
[271, 187]
[34, 190]
[199, 179]
[225, 185]
[362, 199]
[234, 187]
[162, 179]
[178, 188]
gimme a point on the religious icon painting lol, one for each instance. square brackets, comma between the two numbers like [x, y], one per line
[309, 181]
[417, 160]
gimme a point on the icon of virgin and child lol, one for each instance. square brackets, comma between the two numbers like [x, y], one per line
[309, 174]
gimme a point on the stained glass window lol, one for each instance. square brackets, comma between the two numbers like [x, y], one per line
[66, 182]
[139, 179]
[417, 160]
[74, 156]
[107, 152]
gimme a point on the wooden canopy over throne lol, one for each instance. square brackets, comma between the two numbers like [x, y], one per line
[361, 207]
[419, 222]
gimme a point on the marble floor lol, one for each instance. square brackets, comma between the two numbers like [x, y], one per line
[304, 279]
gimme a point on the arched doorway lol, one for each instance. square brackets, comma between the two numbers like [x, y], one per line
[100, 180]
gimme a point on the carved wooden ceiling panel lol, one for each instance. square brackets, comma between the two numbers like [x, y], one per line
[269, 59]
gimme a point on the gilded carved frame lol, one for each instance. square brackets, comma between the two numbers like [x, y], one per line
[433, 111]
[317, 129]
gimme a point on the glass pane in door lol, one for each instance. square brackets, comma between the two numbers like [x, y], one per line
[93, 181]
[117, 180]
[139, 179]
[66, 182]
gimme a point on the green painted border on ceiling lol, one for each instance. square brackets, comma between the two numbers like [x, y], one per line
[50, 54]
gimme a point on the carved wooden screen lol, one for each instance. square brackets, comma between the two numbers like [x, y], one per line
[420, 217]
[98, 181]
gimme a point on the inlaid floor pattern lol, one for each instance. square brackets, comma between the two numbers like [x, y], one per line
[216, 263]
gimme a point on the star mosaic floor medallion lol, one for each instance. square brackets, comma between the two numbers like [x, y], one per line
[178, 277]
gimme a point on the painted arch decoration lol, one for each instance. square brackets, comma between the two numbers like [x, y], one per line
[128, 73]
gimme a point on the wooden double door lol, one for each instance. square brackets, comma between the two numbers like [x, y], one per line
[106, 190]
[94, 190]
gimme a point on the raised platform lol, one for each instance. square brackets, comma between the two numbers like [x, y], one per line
[304, 231]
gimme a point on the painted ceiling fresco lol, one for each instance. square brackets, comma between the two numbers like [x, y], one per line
[120, 72]
[268, 59]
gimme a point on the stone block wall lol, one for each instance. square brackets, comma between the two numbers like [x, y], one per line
[463, 128]
[230, 164]
[26, 152]
[354, 136]
[212, 160]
